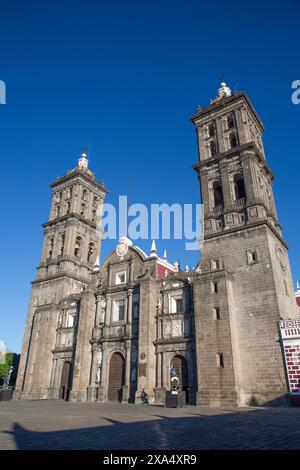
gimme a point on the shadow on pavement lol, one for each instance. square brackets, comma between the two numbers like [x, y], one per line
[257, 429]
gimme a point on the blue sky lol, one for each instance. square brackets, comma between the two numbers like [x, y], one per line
[126, 76]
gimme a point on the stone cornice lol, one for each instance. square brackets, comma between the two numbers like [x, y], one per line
[224, 103]
[72, 259]
[174, 340]
[77, 172]
[225, 157]
[54, 277]
[246, 227]
[69, 218]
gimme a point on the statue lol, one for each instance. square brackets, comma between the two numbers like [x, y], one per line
[98, 375]
[224, 91]
[174, 378]
[57, 198]
[68, 193]
[99, 357]
[8, 377]
[102, 311]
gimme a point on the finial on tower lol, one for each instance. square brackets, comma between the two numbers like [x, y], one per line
[97, 264]
[83, 160]
[224, 91]
[165, 258]
[153, 249]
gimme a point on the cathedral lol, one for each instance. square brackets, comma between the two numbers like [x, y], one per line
[114, 332]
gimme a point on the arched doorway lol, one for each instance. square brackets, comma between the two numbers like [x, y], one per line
[116, 377]
[66, 381]
[179, 363]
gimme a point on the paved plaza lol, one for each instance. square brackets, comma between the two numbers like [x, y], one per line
[63, 425]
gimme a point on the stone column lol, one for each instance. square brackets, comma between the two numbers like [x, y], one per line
[91, 395]
[98, 310]
[53, 390]
[107, 319]
[158, 370]
[248, 172]
[165, 370]
[225, 185]
[102, 389]
[129, 307]
[129, 313]
[126, 387]
[220, 134]
[160, 391]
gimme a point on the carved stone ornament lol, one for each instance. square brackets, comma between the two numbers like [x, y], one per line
[122, 247]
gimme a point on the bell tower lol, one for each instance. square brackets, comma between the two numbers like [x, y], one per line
[71, 248]
[71, 236]
[243, 253]
[236, 181]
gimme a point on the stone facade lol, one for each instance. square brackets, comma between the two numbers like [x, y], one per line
[115, 332]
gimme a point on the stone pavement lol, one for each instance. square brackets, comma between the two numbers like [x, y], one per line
[61, 425]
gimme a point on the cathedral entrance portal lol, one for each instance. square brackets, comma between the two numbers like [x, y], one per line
[179, 363]
[66, 381]
[116, 377]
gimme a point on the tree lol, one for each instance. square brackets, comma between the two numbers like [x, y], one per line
[11, 359]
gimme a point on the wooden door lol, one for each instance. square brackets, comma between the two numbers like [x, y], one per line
[116, 377]
[66, 381]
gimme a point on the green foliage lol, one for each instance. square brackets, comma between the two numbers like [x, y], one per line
[10, 359]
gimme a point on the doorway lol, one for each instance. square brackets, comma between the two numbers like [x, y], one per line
[179, 363]
[66, 381]
[116, 377]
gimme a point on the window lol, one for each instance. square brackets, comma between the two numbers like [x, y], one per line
[239, 187]
[94, 214]
[50, 249]
[91, 251]
[176, 303]
[121, 278]
[211, 129]
[85, 195]
[119, 310]
[220, 360]
[217, 194]
[82, 211]
[77, 250]
[214, 264]
[216, 313]
[214, 287]
[57, 210]
[213, 148]
[232, 141]
[252, 257]
[179, 305]
[230, 121]
[95, 201]
[61, 245]
[71, 320]
[68, 207]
